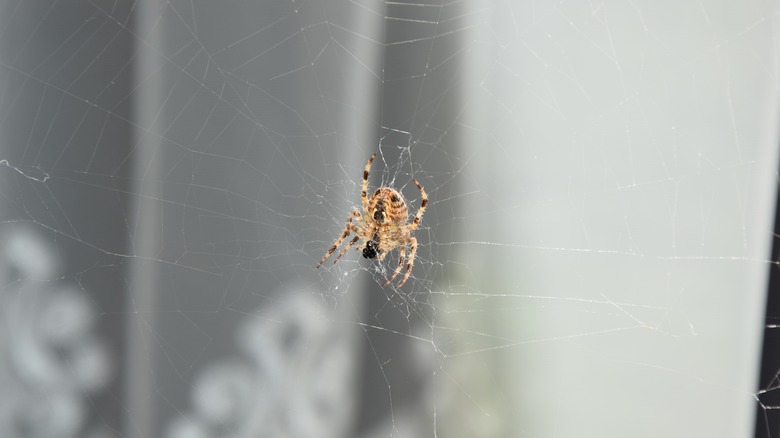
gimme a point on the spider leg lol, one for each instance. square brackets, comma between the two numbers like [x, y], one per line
[346, 248]
[364, 191]
[347, 228]
[422, 206]
[410, 263]
[401, 255]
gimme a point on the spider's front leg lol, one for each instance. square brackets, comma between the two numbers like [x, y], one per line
[349, 227]
[364, 187]
[401, 255]
[382, 254]
[423, 203]
[346, 248]
[410, 263]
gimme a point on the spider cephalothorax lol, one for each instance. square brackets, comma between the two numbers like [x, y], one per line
[382, 226]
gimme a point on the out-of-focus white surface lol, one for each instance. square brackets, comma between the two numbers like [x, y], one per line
[630, 162]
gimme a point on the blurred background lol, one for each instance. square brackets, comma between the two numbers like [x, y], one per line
[593, 260]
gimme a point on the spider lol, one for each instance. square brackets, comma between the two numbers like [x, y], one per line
[382, 226]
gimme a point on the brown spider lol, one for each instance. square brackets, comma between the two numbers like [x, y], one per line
[382, 226]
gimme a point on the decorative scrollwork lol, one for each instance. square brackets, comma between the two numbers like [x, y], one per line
[293, 378]
[52, 359]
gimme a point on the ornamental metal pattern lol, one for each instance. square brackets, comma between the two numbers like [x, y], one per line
[52, 359]
[292, 377]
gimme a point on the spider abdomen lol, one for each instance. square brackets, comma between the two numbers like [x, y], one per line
[388, 206]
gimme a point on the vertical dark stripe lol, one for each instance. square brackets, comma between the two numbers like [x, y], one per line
[767, 419]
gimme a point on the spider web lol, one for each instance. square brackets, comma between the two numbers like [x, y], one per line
[592, 262]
